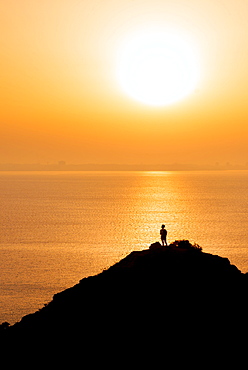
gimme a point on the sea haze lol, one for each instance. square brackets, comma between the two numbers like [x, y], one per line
[58, 227]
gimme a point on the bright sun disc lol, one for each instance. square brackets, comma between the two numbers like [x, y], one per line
[157, 68]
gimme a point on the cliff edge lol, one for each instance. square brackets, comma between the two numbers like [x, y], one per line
[173, 293]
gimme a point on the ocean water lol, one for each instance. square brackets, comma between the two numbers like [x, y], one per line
[59, 227]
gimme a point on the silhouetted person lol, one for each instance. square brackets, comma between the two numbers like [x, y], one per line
[163, 233]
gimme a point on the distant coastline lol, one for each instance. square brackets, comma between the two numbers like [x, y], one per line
[63, 166]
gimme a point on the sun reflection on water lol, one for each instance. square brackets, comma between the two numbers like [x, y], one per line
[57, 228]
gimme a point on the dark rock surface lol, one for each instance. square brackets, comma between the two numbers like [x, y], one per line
[148, 301]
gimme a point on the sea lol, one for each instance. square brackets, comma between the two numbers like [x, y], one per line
[57, 228]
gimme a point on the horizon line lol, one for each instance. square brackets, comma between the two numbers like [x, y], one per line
[63, 166]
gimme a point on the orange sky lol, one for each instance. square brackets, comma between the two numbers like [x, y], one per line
[60, 98]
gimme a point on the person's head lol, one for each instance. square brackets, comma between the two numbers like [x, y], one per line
[163, 226]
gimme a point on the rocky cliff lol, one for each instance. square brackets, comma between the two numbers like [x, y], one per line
[175, 294]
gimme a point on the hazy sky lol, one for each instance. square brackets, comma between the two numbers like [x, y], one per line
[60, 98]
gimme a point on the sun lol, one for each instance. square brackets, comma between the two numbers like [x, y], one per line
[157, 68]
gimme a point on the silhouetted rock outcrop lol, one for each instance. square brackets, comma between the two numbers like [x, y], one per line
[150, 298]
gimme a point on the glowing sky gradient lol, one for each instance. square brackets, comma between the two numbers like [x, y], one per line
[60, 98]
